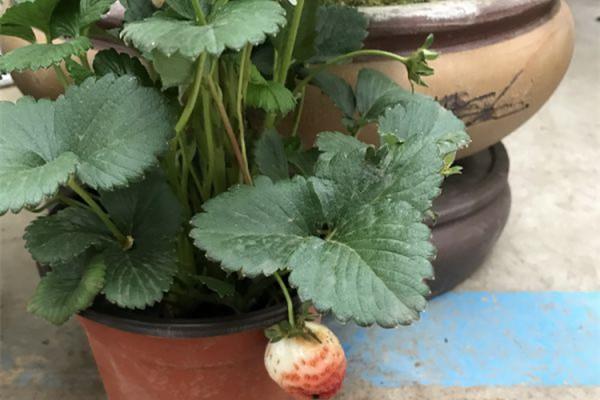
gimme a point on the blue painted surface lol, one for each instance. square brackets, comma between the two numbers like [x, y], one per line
[477, 338]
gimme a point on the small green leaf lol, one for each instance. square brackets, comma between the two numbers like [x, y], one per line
[338, 90]
[270, 156]
[71, 16]
[65, 235]
[137, 10]
[232, 27]
[270, 96]
[375, 92]
[68, 289]
[77, 71]
[36, 56]
[149, 212]
[340, 29]
[28, 14]
[222, 288]
[337, 142]
[174, 70]
[107, 132]
[112, 62]
[422, 115]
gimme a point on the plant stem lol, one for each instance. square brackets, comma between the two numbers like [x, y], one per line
[193, 97]
[288, 299]
[229, 130]
[241, 89]
[126, 241]
[60, 75]
[298, 115]
[84, 61]
[344, 57]
[70, 202]
[282, 65]
[200, 18]
[290, 43]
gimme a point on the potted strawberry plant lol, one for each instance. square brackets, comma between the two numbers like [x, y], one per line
[184, 226]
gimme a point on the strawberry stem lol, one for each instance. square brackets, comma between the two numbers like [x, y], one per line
[288, 299]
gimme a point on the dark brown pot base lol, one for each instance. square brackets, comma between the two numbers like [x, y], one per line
[472, 212]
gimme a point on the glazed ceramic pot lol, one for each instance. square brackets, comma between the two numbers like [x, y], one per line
[500, 61]
[163, 359]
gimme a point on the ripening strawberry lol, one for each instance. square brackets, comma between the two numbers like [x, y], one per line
[305, 367]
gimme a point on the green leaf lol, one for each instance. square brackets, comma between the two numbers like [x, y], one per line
[77, 71]
[353, 236]
[338, 90]
[107, 132]
[186, 9]
[67, 289]
[91, 11]
[71, 16]
[233, 26]
[270, 96]
[61, 237]
[36, 56]
[137, 10]
[375, 92]
[112, 62]
[19, 31]
[174, 70]
[270, 156]
[340, 29]
[333, 143]
[222, 288]
[422, 115]
[150, 213]
[304, 47]
[28, 14]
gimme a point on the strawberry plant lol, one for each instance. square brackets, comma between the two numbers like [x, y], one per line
[174, 187]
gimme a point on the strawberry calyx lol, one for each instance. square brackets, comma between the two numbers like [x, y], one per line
[285, 329]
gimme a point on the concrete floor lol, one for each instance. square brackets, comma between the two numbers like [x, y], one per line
[551, 243]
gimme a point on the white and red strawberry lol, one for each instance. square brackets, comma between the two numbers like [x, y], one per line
[308, 366]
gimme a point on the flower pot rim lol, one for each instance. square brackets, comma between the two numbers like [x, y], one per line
[457, 13]
[188, 327]
[457, 24]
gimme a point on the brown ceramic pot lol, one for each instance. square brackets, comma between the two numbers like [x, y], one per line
[500, 61]
[183, 359]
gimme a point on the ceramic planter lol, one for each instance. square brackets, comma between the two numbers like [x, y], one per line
[500, 61]
[218, 359]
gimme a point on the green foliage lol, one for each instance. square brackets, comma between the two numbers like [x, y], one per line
[334, 232]
[112, 62]
[68, 289]
[340, 30]
[133, 278]
[65, 235]
[231, 27]
[70, 17]
[106, 132]
[30, 14]
[424, 115]
[343, 221]
[150, 213]
[270, 96]
[36, 56]
[137, 10]
[338, 90]
[270, 156]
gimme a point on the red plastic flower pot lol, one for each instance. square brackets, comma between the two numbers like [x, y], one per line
[183, 359]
